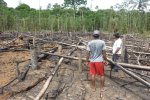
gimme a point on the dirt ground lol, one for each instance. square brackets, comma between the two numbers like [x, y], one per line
[68, 83]
[77, 86]
[8, 65]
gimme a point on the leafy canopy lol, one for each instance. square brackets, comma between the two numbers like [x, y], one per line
[3, 3]
[74, 3]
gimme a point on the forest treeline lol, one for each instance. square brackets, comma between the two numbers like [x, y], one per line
[61, 18]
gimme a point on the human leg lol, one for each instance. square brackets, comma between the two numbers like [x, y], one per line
[116, 60]
[113, 59]
[93, 74]
[102, 83]
[93, 82]
[100, 71]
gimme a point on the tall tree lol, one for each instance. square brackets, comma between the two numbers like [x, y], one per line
[3, 3]
[49, 6]
[74, 3]
[138, 4]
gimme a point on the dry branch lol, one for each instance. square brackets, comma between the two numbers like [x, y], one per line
[145, 53]
[11, 41]
[131, 74]
[47, 83]
[145, 68]
[12, 49]
[68, 57]
[31, 86]
[11, 93]
[8, 84]
[61, 43]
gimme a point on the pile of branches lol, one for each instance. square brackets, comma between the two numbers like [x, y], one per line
[136, 53]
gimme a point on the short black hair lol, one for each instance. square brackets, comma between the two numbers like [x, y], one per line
[117, 35]
[21, 37]
[96, 36]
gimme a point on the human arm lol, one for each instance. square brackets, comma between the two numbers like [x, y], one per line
[117, 50]
[104, 55]
[88, 53]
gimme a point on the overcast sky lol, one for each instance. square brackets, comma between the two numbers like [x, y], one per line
[103, 4]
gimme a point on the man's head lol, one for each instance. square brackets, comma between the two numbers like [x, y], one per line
[21, 37]
[116, 35]
[96, 34]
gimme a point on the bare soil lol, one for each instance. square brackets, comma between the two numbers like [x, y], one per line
[73, 85]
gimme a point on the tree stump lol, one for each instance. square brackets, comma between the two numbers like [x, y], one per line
[147, 45]
[59, 49]
[34, 60]
[39, 48]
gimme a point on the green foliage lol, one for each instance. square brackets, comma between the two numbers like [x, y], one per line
[59, 18]
[74, 3]
[23, 10]
[3, 3]
[23, 7]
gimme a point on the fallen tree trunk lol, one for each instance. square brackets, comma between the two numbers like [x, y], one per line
[145, 53]
[80, 47]
[15, 45]
[137, 47]
[61, 43]
[11, 41]
[11, 93]
[84, 47]
[12, 49]
[47, 83]
[1, 89]
[108, 48]
[134, 46]
[69, 57]
[29, 87]
[131, 74]
[145, 68]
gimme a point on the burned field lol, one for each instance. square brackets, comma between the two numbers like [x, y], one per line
[52, 67]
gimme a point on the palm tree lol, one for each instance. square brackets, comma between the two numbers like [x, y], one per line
[139, 4]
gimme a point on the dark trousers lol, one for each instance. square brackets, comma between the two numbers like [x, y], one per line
[115, 58]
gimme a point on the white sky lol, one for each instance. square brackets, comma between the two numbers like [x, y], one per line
[103, 4]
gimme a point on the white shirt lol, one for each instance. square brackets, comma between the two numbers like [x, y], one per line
[117, 44]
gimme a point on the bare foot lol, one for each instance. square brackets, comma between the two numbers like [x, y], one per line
[103, 89]
[101, 95]
[93, 88]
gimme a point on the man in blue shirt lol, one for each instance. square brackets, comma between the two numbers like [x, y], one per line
[96, 55]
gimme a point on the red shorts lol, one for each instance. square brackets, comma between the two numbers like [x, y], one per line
[97, 68]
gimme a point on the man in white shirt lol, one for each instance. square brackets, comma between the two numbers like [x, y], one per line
[117, 49]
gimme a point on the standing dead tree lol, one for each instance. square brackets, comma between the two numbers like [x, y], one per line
[34, 61]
